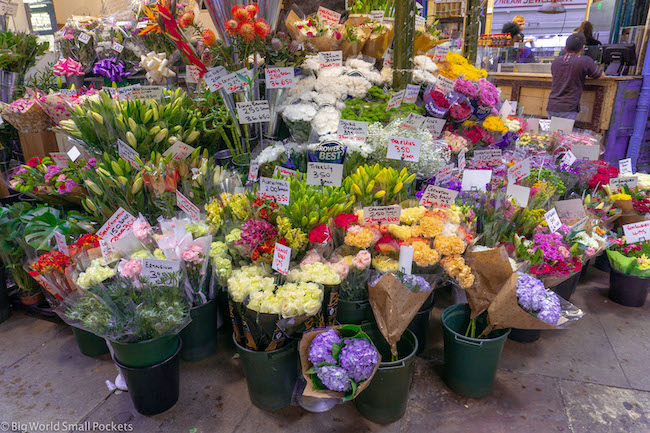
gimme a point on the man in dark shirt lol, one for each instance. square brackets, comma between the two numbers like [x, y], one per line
[569, 73]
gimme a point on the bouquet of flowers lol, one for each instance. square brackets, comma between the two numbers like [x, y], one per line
[320, 33]
[76, 41]
[26, 115]
[630, 259]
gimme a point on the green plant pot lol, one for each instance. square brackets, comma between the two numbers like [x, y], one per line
[385, 399]
[270, 376]
[354, 312]
[89, 344]
[200, 335]
[145, 353]
[470, 364]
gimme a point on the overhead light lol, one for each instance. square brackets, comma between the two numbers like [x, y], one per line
[554, 7]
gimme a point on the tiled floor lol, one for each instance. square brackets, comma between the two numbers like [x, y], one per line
[592, 378]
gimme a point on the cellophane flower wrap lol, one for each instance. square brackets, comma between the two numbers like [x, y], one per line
[629, 259]
[338, 362]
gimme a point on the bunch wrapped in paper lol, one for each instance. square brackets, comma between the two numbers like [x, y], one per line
[321, 34]
[380, 38]
[426, 37]
[354, 39]
[26, 114]
[76, 41]
[57, 105]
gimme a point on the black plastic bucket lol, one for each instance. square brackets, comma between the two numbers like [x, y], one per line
[420, 325]
[153, 389]
[270, 375]
[602, 262]
[524, 335]
[628, 290]
[145, 353]
[567, 287]
[200, 335]
[354, 312]
[89, 344]
[385, 399]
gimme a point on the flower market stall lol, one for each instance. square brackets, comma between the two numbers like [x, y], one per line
[308, 192]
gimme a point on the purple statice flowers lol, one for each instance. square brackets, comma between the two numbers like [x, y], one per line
[534, 298]
[337, 361]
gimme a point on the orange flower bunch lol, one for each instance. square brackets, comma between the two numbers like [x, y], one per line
[245, 25]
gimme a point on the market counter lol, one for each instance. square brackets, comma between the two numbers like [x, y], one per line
[607, 105]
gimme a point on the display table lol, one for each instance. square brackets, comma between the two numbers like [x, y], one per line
[607, 105]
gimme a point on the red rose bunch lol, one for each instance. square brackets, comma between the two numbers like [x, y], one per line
[320, 234]
[440, 99]
[34, 162]
[345, 220]
[602, 176]
[460, 111]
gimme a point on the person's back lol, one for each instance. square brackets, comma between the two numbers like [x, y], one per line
[569, 73]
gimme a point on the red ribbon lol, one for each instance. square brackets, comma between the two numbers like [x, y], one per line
[172, 30]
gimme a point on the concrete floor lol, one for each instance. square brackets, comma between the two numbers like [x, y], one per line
[592, 378]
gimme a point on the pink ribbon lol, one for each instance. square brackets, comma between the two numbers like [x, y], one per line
[67, 68]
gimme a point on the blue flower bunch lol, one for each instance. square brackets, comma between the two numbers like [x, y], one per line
[534, 298]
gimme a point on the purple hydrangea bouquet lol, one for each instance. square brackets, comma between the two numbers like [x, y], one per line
[337, 362]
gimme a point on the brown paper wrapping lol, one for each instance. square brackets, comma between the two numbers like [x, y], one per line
[290, 22]
[322, 43]
[353, 50]
[306, 365]
[491, 269]
[358, 19]
[32, 121]
[376, 45]
[423, 43]
[394, 306]
[629, 215]
[505, 312]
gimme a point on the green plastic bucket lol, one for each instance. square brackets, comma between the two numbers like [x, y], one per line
[270, 376]
[200, 335]
[145, 353]
[385, 399]
[89, 344]
[354, 312]
[470, 363]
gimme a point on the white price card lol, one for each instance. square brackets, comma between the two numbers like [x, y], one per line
[404, 149]
[60, 158]
[437, 197]
[377, 15]
[237, 80]
[192, 74]
[179, 151]
[73, 153]
[118, 225]
[106, 250]
[586, 152]
[279, 78]
[413, 120]
[61, 244]
[476, 180]
[388, 58]
[128, 153]
[440, 54]
[123, 92]
[520, 170]
[253, 171]
[214, 78]
[275, 189]
[519, 193]
[283, 171]
[117, 47]
[188, 207]
[444, 84]
[420, 21]
[406, 259]
[330, 59]
[144, 93]
[395, 100]
[435, 125]
[155, 270]
[569, 158]
[281, 258]
[572, 208]
[461, 160]
[553, 220]
[68, 92]
[505, 110]
[560, 124]
[625, 167]
[331, 17]
[253, 112]
[444, 174]
[382, 214]
[617, 183]
[353, 130]
[489, 156]
[84, 38]
[637, 232]
[324, 173]
[412, 93]
[532, 125]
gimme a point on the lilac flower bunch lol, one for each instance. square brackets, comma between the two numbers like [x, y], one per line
[66, 187]
[533, 297]
[342, 358]
[415, 283]
[52, 171]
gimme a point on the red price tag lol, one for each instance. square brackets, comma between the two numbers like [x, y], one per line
[279, 78]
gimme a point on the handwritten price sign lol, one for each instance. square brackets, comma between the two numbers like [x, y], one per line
[519, 171]
[444, 174]
[117, 226]
[637, 232]
[237, 80]
[412, 93]
[275, 189]
[179, 150]
[329, 16]
[214, 78]
[281, 258]
[279, 78]
[435, 196]
[440, 55]
[435, 125]
[382, 214]
[188, 207]
[616, 183]
[388, 58]
[283, 171]
[395, 100]
[352, 130]
[146, 92]
[324, 173]
[405, 149]
[128, 153]
[330, 59]
[155, 270]
[253, 112]
[489, 156]
[444, 84]
[413, 120]
[553, 220]
[60, 158]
